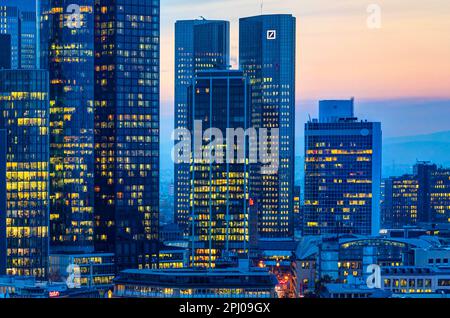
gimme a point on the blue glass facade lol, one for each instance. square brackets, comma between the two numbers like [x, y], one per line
[24, 113]
[28, 40]
[342, 173]
[267, 57]
[400, 204]
[10, 25]
[3, 245]
[68, 54]
[19, 21]
[219, 191]
[199, 45]
[5, 53]
[127, 64]
[440, 196]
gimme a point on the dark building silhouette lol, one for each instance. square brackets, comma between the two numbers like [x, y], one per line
[127, 70]
[5, 52]
[423, 172]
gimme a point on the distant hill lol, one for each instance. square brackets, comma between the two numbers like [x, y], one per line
[401, 153]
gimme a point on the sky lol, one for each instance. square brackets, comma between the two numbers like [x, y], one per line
[399, 73]
[338, 56]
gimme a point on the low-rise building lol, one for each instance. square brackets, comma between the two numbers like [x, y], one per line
[192, 283]
[416, 280]
[344, 258]
[94, 270]
[352, 291]
[29, 287]
[173, 257]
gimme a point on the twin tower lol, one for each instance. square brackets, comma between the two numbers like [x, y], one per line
[224, 207]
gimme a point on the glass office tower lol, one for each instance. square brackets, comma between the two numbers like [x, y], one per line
[267, 57]
[440, 196]
[18, 20]
[24, 114]
[28, 40]
[400, 205]
[342, 172]
[10, 24]
[5, 52]
[219, 198]
[67, 51]
[3, 245]
[127, 45]
[199, 45]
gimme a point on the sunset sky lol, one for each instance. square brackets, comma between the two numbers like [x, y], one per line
[337, 54]
[399, 74]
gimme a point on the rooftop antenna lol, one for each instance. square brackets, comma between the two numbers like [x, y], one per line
[262, 6]
[203, 18]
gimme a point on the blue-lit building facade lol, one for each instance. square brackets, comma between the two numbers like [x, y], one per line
[220, 283]
[219, 197]
[267, 56]
[10, 24]
[342, 172]
[3, 245]
[127, 68]
[5, 53]
[440, 196]
[19, 21]
[95, 270]
[199, 45]
[24, 114]
[67, 51]
[28, 40]
[400, 204]
[421, 198]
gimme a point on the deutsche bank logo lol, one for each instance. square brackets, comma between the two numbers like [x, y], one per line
[271, 35]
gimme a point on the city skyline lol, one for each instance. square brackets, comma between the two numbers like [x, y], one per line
[323, 106]
[328, 31]
[416, 80]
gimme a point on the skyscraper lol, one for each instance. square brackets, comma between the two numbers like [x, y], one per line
[297, 209]
[127, 64]
[28, 39]
[24, 114]
[400, 206]
[19, 21]
[3, 244]
[199, 45]
[219, 198]
[67, 51]
[5, 52]
[440, 196]
[423, 172]
[342, 172]
[267, 57]
[10, 25]
[422, 197]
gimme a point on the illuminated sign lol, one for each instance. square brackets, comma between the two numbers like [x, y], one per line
[53, 294]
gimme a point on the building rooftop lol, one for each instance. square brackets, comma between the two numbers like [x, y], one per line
[198, 278]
